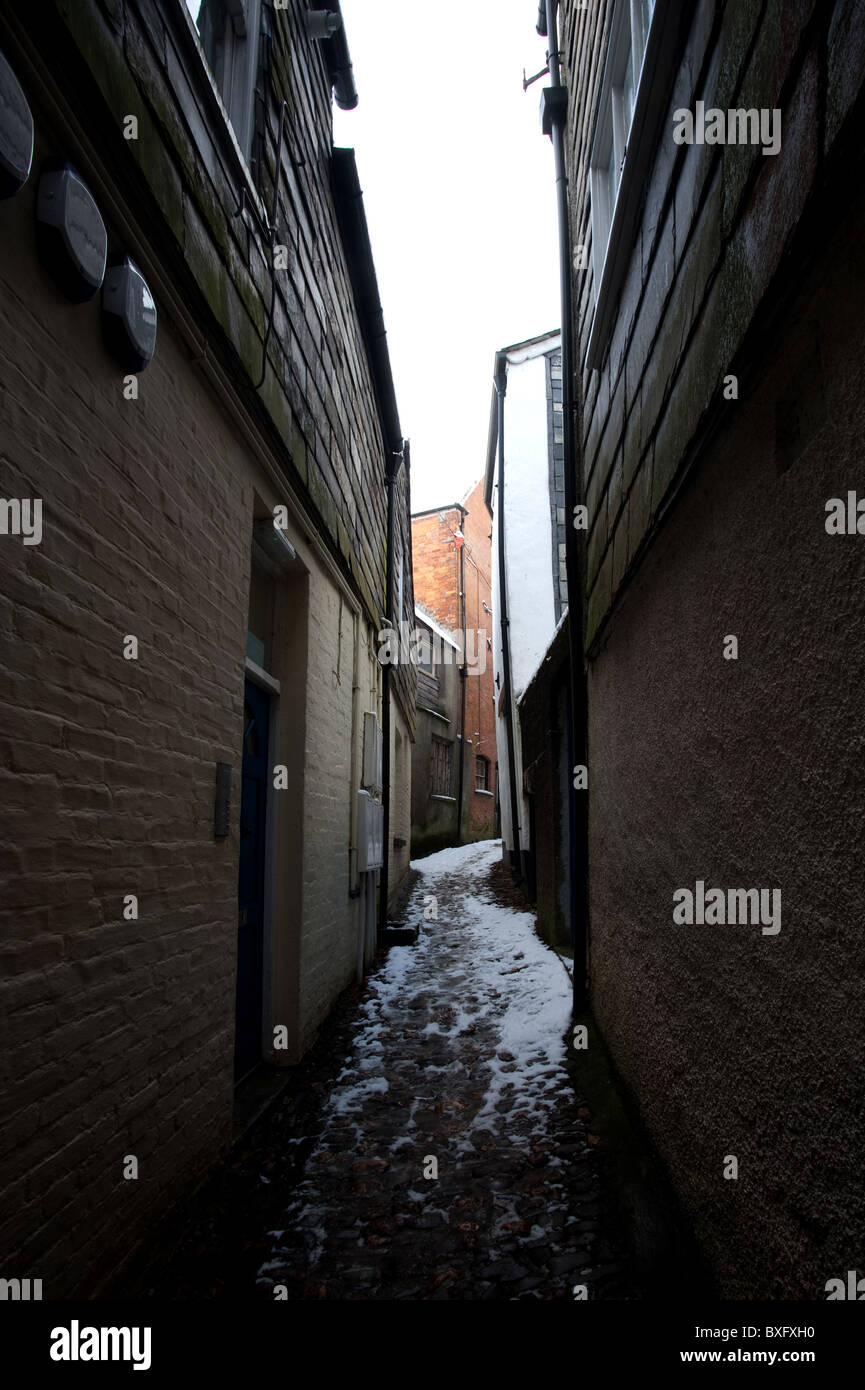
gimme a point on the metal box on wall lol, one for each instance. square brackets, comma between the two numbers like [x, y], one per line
[372, 755]
[370, 833]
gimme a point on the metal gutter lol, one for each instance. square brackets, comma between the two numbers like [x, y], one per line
[351, 216]
[338, 61]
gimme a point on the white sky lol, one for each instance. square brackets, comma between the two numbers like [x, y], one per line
[460, 198]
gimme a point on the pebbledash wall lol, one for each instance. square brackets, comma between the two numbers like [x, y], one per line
[707, 503]
[118, 1034]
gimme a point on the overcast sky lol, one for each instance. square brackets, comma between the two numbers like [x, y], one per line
[460, 198]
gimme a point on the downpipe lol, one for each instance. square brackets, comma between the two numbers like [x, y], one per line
[392, 472]
[574, 558]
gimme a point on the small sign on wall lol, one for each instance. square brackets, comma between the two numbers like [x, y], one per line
[222, 806]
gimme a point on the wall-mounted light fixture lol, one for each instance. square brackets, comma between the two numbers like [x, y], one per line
[70, 233]
[128, 315]
[272, 548]
[16, 133]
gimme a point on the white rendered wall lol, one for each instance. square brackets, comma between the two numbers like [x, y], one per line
[528, 556]
[528, 532]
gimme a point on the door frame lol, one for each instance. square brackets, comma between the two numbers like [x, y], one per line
[256, 675]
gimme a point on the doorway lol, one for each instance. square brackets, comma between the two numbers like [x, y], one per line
[251, 882]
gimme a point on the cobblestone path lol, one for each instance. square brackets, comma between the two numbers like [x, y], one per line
[458, 1056]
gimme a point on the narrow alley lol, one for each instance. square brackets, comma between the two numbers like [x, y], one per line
[432, 584]
[456, 1050]
[457, 1056]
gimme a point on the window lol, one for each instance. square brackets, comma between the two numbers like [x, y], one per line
[229, 32]
[440, 771]
[634, 77]
[629, 36]
[425, 653]
[555, 435]
[482, 774]
[259, 627]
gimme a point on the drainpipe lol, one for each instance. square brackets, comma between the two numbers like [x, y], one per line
[554, 118]
[501, 384]
[462, 550]
[394, 465]
[336, 53]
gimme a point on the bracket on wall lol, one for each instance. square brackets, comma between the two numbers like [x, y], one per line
[527, 81]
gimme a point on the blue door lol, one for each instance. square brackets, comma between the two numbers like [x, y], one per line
[250, 884]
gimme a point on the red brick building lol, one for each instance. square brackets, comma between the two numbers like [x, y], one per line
[437, 579]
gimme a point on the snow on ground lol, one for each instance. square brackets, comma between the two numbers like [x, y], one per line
[489, 1004]
[525, 978]
[517, 978]
[476, 858]
[533, 1016]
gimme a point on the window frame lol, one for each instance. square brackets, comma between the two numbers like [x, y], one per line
[480, 760]
[428, 669]
[437, 744]
[651, 28]
[235, 80]
[613, 127]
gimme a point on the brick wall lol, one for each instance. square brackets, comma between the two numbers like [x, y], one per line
[437, 587]
[437, 565]
[480, 706]
[118, 1035]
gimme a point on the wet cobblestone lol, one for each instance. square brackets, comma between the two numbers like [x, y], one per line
[518, 1209]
